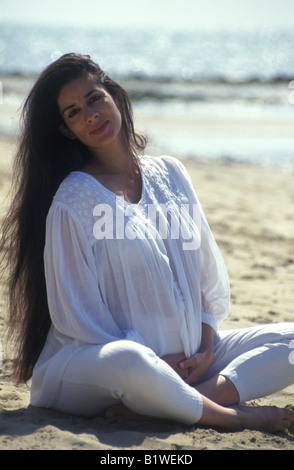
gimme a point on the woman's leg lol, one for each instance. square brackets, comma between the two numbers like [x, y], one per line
[128, 373]
[262, 418]
[250, 363]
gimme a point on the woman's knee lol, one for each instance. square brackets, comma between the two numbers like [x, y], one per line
[126, 355]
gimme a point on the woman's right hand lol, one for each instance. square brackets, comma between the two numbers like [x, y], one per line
[173, 360]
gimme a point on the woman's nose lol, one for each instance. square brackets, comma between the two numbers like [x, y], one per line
[90, 113]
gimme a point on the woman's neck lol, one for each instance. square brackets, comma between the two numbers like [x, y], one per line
[112, 160]
[119, 172]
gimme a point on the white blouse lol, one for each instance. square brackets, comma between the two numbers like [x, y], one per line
[149, 272]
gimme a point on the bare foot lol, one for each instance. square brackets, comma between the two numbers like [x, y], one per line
[261, 418]
[266, 418]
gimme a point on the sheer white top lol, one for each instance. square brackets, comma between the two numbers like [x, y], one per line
[149, 272]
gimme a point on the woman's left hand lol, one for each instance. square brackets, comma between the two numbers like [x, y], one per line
[196, 366]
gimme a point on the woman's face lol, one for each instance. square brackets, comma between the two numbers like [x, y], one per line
[90, 114]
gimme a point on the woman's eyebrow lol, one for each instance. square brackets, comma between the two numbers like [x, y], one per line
[85, 96]
[68, 107]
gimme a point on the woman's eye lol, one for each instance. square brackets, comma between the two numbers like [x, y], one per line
[72, 113]
[95, 98]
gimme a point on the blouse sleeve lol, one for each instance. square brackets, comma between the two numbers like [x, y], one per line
[76, 308]
[214, 281]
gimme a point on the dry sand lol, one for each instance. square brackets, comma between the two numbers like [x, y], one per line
[250, 211]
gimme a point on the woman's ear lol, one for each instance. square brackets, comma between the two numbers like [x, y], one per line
[66, 132]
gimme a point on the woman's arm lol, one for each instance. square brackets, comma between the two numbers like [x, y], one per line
[214, 281]
[76, 306]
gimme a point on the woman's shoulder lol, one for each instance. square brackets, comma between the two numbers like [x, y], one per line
[163, 163]
[158, 160]
[78, 188]
[75, 200]
[78, 194]
[166, 167]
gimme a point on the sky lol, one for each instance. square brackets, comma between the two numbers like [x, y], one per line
[184, 14]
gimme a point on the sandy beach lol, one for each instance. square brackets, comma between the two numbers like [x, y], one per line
[250, 211]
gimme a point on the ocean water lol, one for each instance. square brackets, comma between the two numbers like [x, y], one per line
[243, 81]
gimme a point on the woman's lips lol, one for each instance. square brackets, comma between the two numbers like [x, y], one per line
[99, 129]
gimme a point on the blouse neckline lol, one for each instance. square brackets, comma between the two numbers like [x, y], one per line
[111, 193]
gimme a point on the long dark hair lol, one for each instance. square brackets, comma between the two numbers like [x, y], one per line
[43, 159]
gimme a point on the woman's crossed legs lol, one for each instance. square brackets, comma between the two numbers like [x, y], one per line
[248, 363]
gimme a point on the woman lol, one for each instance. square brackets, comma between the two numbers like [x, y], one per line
[125, 306]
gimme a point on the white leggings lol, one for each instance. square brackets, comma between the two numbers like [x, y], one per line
[255, 359]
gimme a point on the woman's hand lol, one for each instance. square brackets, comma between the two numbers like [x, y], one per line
[174, 361]
[196, 366]
[192, 369]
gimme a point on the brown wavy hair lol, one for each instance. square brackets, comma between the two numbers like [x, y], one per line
[43, 159]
